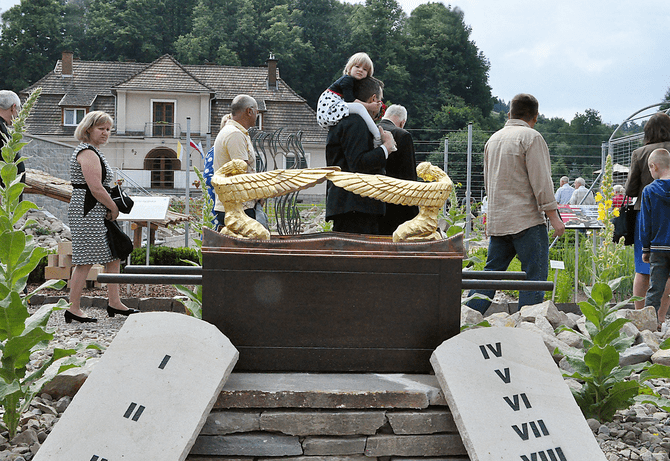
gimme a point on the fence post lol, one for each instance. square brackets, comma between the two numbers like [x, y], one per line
[468, 214]
[446, 167]
[188, 177]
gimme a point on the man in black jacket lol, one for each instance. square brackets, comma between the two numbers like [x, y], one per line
[350, 146]
[401, 164]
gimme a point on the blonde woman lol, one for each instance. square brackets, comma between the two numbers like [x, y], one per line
[90, 205]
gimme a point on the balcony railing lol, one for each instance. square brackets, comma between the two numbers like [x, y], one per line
[162, 130]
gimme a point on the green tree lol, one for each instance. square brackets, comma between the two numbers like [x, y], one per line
[30, 42]
[444, 62]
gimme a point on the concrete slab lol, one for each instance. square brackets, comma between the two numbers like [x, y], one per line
[149, 395]
[328, 390]
[509, 400]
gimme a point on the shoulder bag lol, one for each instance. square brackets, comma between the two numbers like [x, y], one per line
[119, 243]
[624, 224]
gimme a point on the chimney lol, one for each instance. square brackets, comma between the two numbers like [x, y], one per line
[272, 72]
[66, 64]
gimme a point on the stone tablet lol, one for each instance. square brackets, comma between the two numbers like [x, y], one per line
[509, 400]
[149, 395]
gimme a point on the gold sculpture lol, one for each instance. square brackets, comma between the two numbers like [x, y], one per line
[234, 188]
[428, 196]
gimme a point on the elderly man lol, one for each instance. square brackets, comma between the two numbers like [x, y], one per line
[233, 142]
[10, 105]
[400, 164]
[581, 195]
[517, 177]
[564, 192]
[349, 145]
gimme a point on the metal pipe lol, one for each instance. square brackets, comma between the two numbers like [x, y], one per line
[151, 279]
[493, 275]
[172, 270]
[523, 285]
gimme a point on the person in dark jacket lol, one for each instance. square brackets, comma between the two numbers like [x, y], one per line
[349, 145]
[400, 164]
[655, 229]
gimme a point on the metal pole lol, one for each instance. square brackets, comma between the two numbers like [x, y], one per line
[188, 177]
[468, 218]
[446, 166]
[574, 296]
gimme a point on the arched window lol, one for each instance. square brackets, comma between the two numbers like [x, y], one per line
[162, 163]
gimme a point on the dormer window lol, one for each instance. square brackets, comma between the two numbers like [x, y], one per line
[72, 117]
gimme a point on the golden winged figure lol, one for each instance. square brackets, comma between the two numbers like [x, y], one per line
[428, 196]
[233, 188]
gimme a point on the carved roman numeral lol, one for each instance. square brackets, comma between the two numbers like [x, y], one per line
[497, 350]
[97, 458]
[523, 432]
[130, 410]
[550, 455]
[164, 362]
[514, 403]
[505, 376]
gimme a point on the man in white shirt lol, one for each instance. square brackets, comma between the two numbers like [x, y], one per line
[564, 192]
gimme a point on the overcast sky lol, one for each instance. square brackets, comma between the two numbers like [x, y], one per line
[608, 55]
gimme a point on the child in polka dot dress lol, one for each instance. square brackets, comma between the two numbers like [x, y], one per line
[338, 100]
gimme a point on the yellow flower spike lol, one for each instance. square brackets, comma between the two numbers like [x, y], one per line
[608, 204]
[599, 197]
[615, 212]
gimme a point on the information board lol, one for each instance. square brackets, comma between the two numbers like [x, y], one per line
[147, 209]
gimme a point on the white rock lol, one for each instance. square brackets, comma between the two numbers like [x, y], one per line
[544, 325]
[629, 329]
[662, 357]
[571, 339]
[650, 339]
[546, 309]
[501, 319]
[644, 319]
[635, 354]
[470, 316]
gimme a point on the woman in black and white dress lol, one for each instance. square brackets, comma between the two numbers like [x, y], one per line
[90, 205]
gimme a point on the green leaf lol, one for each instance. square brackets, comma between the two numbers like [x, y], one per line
[12, 244]
[601, 293]
[590, 312]
[655, 371]
[661, 402]
[610, 332]
[19, 347]
[23, 207]
[12, 316]
[665, 344]
[601, 360]
[619, 397]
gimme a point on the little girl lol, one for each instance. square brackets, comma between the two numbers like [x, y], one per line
[338, 100]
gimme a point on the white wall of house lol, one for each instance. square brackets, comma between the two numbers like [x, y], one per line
[134, 109]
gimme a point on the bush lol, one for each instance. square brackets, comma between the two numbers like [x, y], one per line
[164, 256]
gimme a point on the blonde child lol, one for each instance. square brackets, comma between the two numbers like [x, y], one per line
[338, 100]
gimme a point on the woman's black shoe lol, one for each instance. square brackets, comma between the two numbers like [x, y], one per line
[69, 317]
[112, 312]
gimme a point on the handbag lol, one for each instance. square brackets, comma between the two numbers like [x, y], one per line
[119, 243]
[123, 202]
[624, 224]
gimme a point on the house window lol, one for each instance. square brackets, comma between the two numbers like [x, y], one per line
[290, 160]
[162, 163]
[72, 117]
[163, 119]
[259, 121]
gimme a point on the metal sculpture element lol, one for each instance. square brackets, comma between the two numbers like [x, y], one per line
[273, 146]
[234, 188]
[428, 196]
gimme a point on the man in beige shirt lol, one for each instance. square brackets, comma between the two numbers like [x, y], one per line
[517, 177]
[233, 142]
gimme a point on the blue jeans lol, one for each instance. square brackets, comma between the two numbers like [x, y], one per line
[660, 269]
[531, 246]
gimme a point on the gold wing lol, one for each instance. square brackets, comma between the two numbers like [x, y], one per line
[254, 186]
[392, 190]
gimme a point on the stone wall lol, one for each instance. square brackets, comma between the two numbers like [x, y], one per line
[52, 158]
[318, 417]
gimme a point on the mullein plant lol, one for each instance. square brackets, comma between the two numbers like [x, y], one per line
[22, 334]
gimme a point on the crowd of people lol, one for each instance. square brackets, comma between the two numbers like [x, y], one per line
[364, 138]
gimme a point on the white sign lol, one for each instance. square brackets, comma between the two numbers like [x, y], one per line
[147, 209]
[557, 264]
[509, 399]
